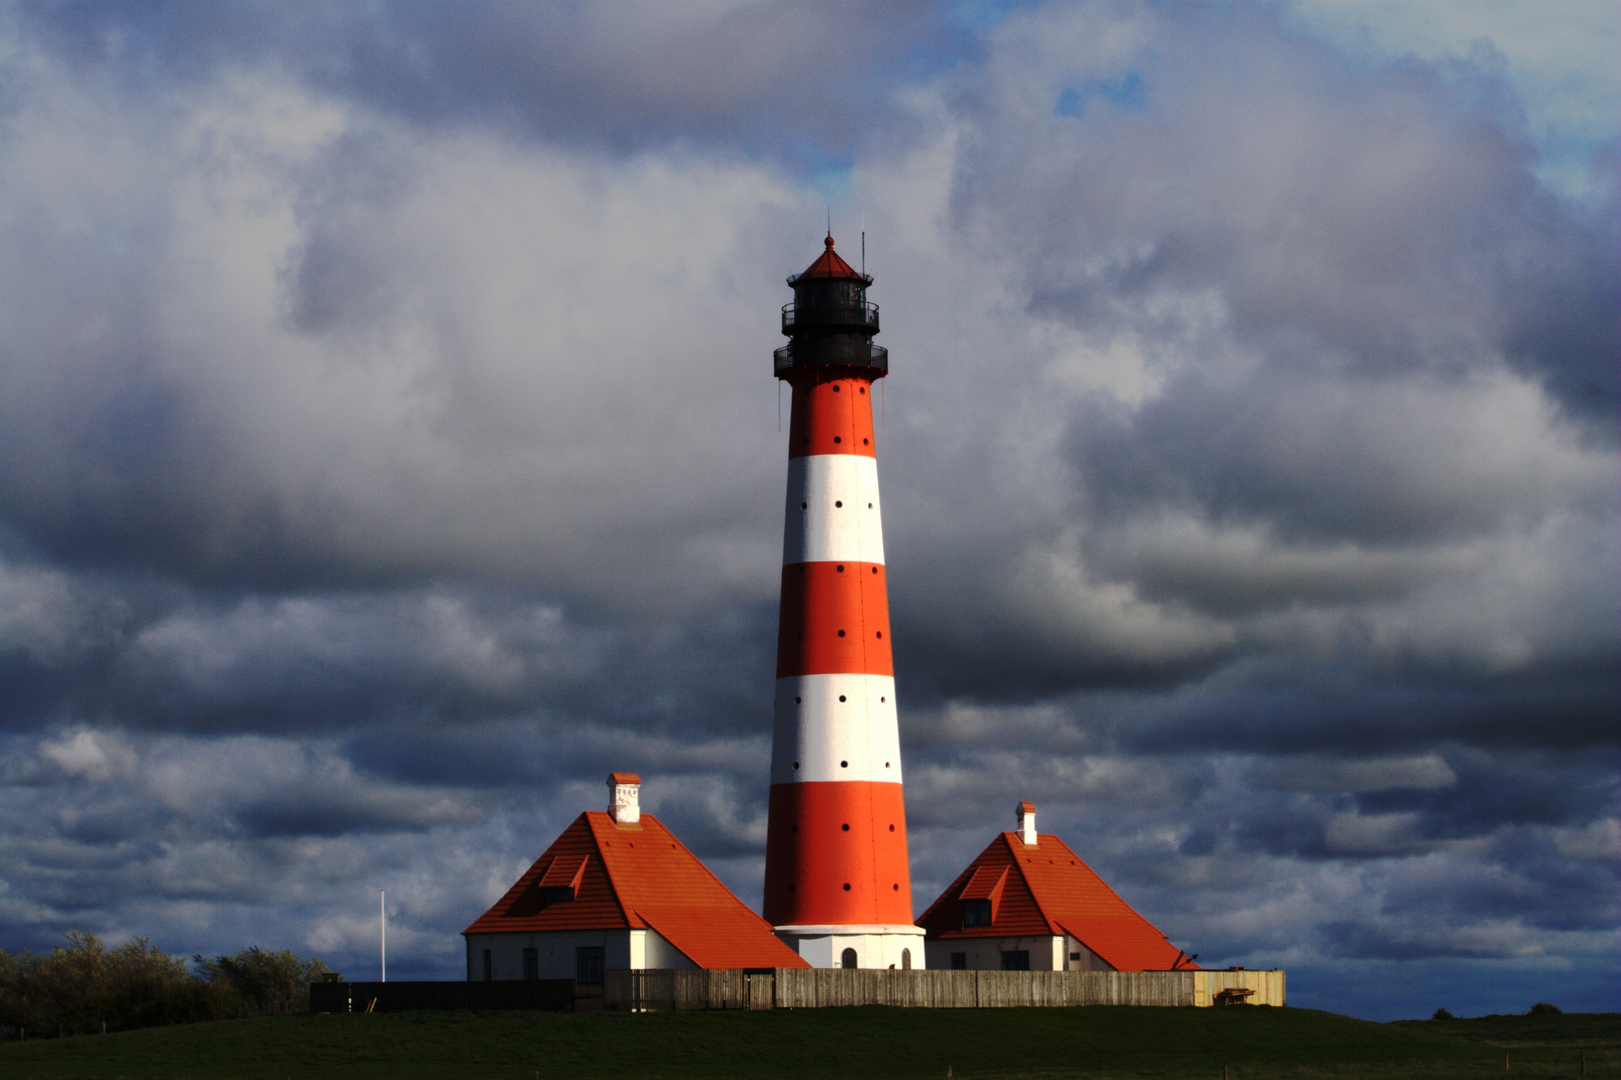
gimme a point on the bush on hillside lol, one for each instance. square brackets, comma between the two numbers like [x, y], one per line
[1542, 1007]
[1441, 1014]
[264, 982]
[77, 988]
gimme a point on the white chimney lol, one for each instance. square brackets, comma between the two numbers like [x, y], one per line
[1026, 812]
[624, 803]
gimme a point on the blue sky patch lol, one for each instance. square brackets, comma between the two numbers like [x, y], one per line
[1126, 93]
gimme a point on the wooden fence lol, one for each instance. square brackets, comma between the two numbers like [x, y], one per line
[821, 988]
[556, 994]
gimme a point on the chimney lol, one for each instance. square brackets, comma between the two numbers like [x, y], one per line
[1026, 812]
[624, 805]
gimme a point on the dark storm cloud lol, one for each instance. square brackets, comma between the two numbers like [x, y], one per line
[774, 78]
[1343, 220]
[1324, 275]
[457, 666]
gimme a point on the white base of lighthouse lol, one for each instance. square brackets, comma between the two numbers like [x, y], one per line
[880, 946]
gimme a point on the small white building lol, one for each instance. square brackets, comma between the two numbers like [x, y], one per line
[617, 891]
[1028, 903]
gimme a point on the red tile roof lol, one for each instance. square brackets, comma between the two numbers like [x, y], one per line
[829, 265]
[1047, 889]
[624, 778]
[637, 877]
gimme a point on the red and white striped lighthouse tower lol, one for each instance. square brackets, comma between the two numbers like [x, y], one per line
[837, 883]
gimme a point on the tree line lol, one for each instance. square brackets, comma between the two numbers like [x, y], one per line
[85, 987]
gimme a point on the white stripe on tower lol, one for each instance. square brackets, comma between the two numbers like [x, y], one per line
[832, 512]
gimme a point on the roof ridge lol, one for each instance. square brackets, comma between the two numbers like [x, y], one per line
[1043, 907]
[591, 817]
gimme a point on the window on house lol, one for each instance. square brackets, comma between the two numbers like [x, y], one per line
[588, 964]
[531, 964]
[557, 894]
[487, 966]
[848, 959]
[959, 961]
[906, 959]
[1016, 960]
[976, 913]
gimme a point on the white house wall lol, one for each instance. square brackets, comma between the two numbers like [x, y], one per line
[1087, 960]
[626, 949]
[1047, 953]
[872, 950]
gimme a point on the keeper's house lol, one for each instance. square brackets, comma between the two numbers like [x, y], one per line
[1029, 903]
[617, 891]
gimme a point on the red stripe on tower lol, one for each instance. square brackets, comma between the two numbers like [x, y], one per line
[837, 886]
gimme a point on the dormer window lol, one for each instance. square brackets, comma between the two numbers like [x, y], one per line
[976, 913]
[561, 881]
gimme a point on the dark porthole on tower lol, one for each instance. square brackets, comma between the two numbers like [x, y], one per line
[841, 633]
[841, 697]
[837, 439]
[844, 765]
[846, 886]
[839, 502]
[847, 828]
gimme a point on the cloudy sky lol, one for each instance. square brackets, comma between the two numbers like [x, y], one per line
[389, 449]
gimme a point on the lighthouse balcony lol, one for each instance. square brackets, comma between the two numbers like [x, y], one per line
[831, 352]
[857, 315]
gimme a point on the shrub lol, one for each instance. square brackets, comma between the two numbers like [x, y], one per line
[1441, 1014]
[1544, 1007]
[77, 988]
[260, 981]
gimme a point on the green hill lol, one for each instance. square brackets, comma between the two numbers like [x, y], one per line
[1094, 1042]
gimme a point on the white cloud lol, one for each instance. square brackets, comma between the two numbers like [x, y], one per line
[97, 756]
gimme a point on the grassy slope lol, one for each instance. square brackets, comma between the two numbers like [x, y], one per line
[1091, 1042]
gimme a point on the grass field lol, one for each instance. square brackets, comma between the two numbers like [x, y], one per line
[1095, 1042]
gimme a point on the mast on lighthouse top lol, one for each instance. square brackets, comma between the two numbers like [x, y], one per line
[830, 322]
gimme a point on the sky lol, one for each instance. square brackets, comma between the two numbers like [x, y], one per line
[389, 450]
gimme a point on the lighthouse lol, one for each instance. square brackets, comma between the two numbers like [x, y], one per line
[837, 884]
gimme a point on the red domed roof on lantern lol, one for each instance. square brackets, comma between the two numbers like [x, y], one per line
[829, 265]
